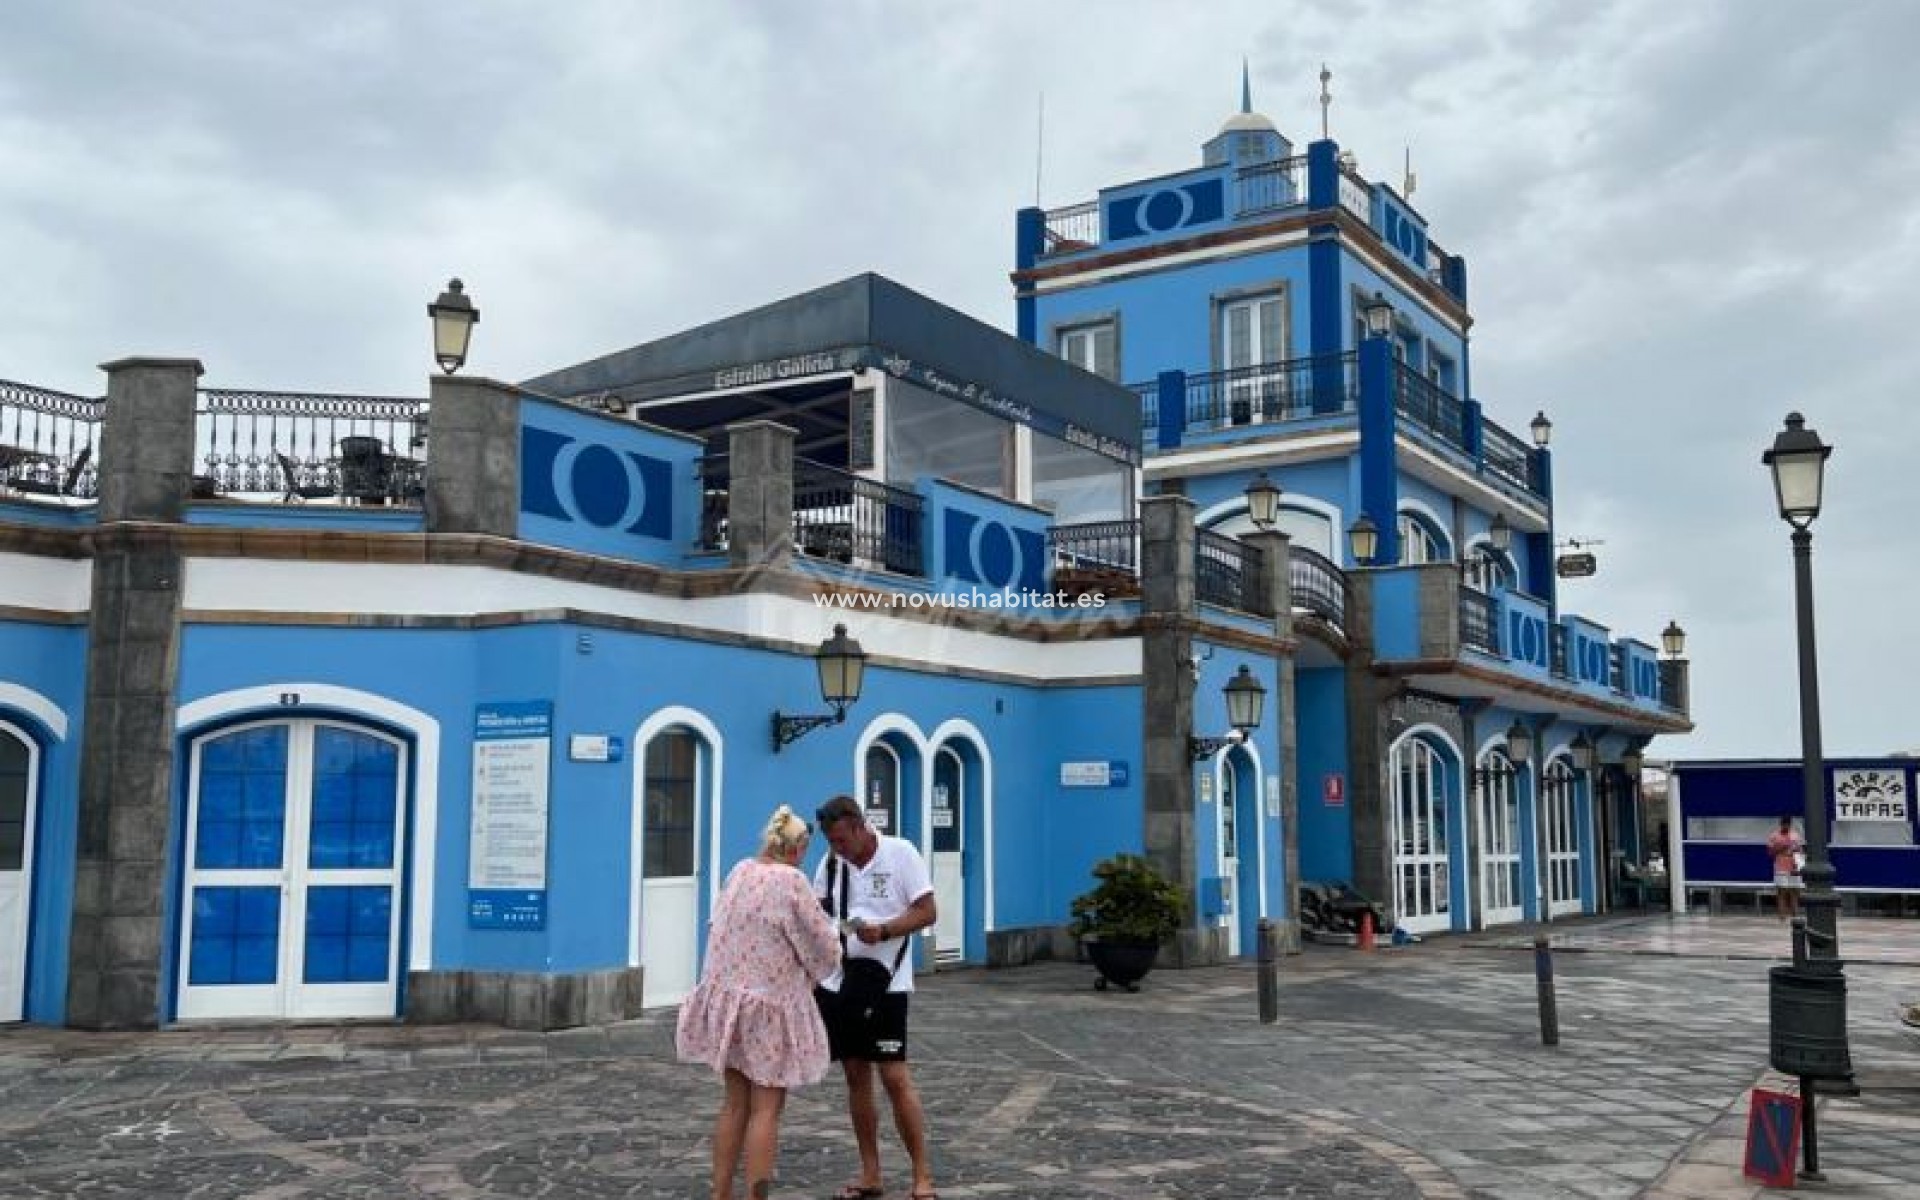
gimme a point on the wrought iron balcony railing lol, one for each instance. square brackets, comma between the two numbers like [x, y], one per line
[49, 442]
[309, 445]
[1226, 572]
[1479, 621]
[844, 517]
[1318, 586]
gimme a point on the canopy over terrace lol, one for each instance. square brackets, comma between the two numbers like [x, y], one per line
[881, 381]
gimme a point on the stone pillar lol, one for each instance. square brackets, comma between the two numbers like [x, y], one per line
[1276, 586]
[1439, 607]
[1673, 685]
[1167, 604]
[133, 643]
[759, 494]
[1366, 745]
[473, 456]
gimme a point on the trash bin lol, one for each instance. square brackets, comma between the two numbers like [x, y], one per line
[1807, 1011]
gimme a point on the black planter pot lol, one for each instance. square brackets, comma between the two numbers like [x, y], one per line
[1122, 964]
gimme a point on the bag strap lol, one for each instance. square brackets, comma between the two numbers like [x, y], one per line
[846, 885]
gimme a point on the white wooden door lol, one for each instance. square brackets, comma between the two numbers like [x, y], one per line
[1561, 835]
[949, 858]
[19, 786]
[670, 874]
[1421, 861]
[1228, 811]
[1500, 898]
[295, 842]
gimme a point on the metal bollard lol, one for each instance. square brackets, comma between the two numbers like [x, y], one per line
[1269, 972]
[1543, 981]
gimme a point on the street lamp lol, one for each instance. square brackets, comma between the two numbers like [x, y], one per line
[1245, 700]
[1798, 460]
[1500, 534]
[454, 317]
[1542, 430]
[1581, 751]
[1377, 315]
[1673, 640]
[1363, 538]
[1263, 501]
[1519, 742]
[843, 666]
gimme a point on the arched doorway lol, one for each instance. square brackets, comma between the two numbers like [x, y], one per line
[295, 851]
[1240, 846]
[884, 781]
[19, 798]
[1422, 862]
[674, 787]
[948, 859]
[1500, 850]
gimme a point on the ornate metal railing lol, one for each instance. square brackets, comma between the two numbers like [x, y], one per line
[1265, 393]
[1075, 227]
[1557, 650]
[369, 449]
[841, 516]
[1430, 407]
[1149, 393]
[1318, 586]
[1479, 621]
[1226, 571]
[1508, 457]
[715, 473]
[1264, 186]
[49, 441]
[1096, 556]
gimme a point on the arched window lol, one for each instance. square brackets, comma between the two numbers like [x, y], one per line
[1499, 795]
[1562, 836]
[1421, 861]
[1420, 542]
[1307, 527]
[1487, 570]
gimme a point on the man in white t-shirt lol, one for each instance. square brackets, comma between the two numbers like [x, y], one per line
[879, 889]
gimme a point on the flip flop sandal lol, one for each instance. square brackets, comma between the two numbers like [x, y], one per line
[854, 1191]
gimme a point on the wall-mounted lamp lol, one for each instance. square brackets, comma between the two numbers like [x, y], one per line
[1363, 539]
[454, 317]
[1673, 640]
[1263, 501]
[1542, 430]
[843, 666]
[1377, 316]
[1500, 534]
[1631, 762]
[1245, 700]
[1581, 751]
[1519, 743]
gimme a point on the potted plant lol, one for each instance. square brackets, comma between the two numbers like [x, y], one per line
[1126, 916]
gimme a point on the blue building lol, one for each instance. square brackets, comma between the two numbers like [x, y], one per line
[336, 706]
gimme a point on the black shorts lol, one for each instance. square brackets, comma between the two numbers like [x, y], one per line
[876, 1036]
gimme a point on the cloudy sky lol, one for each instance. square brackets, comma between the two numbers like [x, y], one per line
[1682, 220]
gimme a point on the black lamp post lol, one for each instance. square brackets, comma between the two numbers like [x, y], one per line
[843, 667]
[1245, 700]
[454, 317]
[1798, 460]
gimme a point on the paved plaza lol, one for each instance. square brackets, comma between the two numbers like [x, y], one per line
[1410, 1072]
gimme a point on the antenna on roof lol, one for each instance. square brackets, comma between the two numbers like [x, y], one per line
[1039, 149]
[1326, 100]
[1406, 192]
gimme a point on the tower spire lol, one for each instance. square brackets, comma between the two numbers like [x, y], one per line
[1326, 100]
[1246, 88]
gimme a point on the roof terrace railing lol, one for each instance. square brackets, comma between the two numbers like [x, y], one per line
[1075, 227]
[1269, 392]
[851, 519]
[1099, 556]
[1226, 572]
[1508, 457]
[1430, 407]
[313, 445]
[49, 442]
[1264, 187]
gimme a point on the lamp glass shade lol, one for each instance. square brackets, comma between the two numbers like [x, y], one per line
[1673, 640]
[1542, 430]
[1500, 534]
[1582, 752]
[454, 317]
[1519, 743]
[1263, 501]
[1245, 700]
[1631, 762]
[1798, 459]
[1377, 315]
[843, 667]
[1363, 538]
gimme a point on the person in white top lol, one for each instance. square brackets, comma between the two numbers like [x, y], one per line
[878, 889]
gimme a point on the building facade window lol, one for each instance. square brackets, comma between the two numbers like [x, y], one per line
[1421, 857]
[1094, 347]
[1500, 839]
[1487, 570]
[1420, 542]
[1561, 835]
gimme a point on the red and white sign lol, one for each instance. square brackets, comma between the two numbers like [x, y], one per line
[1333, 789]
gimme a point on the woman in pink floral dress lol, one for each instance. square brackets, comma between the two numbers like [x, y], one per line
[753, 1017]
